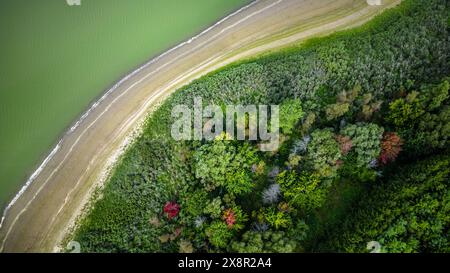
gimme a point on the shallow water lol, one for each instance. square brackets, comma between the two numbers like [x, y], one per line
[56, 59]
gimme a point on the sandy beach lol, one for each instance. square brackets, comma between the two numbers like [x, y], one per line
[46, 211]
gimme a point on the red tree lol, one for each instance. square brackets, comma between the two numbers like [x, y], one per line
[229, 217]
[390, 147]
[171, 209]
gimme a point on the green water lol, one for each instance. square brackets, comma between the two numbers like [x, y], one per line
[55, 59]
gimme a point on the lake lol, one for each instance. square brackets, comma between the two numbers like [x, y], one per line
[56, 59]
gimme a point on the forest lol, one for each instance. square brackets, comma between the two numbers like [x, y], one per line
[364, 154]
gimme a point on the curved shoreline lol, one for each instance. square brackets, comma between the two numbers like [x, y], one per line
[104, 96]
[209, 64]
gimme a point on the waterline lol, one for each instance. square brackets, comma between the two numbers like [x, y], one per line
[76, 125]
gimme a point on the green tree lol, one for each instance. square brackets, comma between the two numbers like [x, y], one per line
[308, 122]
[432, 132]
[334, 111]
[290, 114]
[219, 234]
[324, 152]
[404, 112]
[223, 163]
[277, 219]
[433, 96]
[214, 207]
[423, 118]
[304, 191]
[264, 242]
[366, 140]
[194, 203]
[408, 213]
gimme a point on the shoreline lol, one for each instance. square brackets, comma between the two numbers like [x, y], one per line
[209, 65]
[96, 102]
